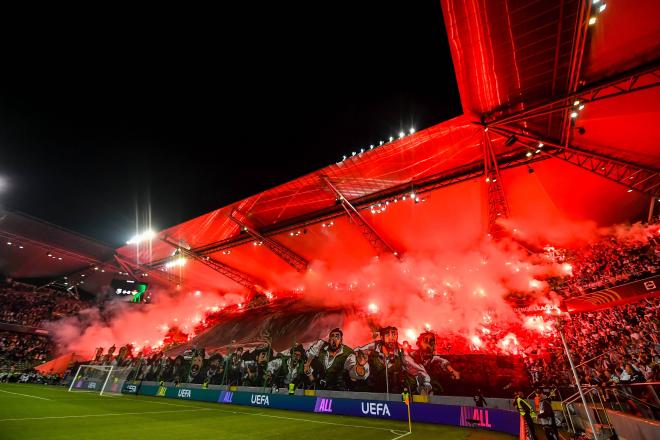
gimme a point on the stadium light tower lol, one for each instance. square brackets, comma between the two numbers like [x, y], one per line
[147, 235]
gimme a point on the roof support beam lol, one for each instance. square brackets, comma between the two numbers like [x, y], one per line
[232, 273]
[124, 266]
[289, 256]
[497, 207]
[125, 263]
[468, 172]
[374, 239]
[63, 281]
[54, 282]
[633, 176]
[638, 79]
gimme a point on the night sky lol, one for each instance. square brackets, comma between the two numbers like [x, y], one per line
[188, 111]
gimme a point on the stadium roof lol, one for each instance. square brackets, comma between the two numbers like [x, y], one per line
[32, 248]
[523, 69]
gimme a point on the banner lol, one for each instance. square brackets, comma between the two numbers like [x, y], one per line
[88, 385]
[129, 388]
[465, 416]
[618, 295]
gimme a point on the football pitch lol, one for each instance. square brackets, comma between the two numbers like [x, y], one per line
[29, 411]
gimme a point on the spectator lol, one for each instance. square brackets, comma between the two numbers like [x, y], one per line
[23, 350]
[479, 400]
[21, 304]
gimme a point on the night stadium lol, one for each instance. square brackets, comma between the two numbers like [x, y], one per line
[473, 254]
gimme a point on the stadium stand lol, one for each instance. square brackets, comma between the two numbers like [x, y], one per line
[20, 351]
[522, 107]
[608, 262]
[23, 304]
[589, 334]
[23, 313]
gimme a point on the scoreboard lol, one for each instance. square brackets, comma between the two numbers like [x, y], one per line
[130, 290]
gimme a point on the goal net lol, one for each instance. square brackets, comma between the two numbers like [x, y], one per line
[100, 378]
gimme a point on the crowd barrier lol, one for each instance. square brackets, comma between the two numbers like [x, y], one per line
[627, 427]
[465, 416]
[18, 328]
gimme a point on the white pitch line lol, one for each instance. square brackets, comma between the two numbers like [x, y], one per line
[166, 403]
[104, 415]
[124, 399]
[198, 408]
[303, 420]
[285, 418]
[26, 395]
[401, 436]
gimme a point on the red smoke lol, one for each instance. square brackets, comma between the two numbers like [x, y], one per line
[461, 288]
[143, 325]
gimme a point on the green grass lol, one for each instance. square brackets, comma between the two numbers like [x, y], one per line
[47, 412]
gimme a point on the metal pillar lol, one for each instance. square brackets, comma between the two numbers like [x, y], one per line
[577, 378]
[374, 239]
[651, 209]
[497, 206]
[387, 380]
[290, 257]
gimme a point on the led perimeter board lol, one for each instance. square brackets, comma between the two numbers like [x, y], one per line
[130, 290]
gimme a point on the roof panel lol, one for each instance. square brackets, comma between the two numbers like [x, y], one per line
[429, 152]
[626, 36]
[494, 46]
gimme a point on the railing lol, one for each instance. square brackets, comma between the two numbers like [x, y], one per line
[23, 328]
[578, 417]
[638, 399]
[21, 365]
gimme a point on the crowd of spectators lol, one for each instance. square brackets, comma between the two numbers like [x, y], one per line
[611, 347]
[608, 262]
[28, 376]
[619, 345]
[626, 339]
[615, 346]
[23, 350]
[21, 304]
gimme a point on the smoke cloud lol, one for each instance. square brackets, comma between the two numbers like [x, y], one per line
[463, 289]
[142, 325]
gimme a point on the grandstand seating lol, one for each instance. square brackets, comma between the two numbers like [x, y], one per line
[626, 336]
[608, 262]
[19, 351]
[21, 304]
